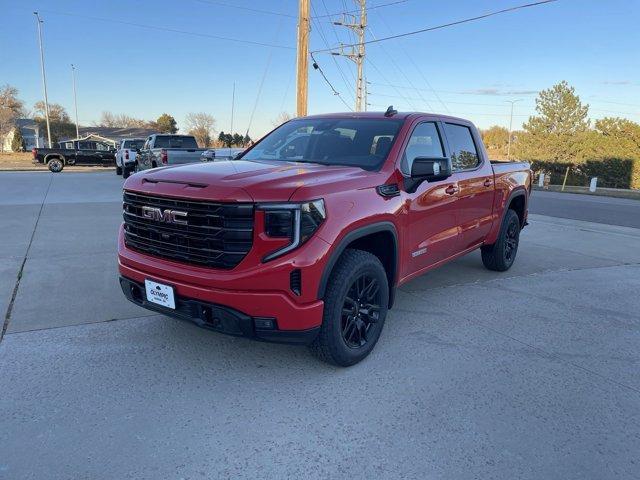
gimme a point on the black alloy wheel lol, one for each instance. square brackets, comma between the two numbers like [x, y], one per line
[355, 308]
[511, 241]
[360, 311]
[500, 255]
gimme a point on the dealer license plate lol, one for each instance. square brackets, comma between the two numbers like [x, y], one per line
[160, 294]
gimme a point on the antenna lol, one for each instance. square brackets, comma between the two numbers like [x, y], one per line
[390, 111]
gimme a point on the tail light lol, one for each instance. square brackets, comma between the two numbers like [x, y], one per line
[163, 156]
[126, 154]
[35, 153]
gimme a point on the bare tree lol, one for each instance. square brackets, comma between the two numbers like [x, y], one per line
[11, 108]
[108, 119]
[281, 118]
[202, 126]
[57, 113]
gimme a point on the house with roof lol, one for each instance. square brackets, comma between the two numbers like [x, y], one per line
[111, 135]
[33, 135]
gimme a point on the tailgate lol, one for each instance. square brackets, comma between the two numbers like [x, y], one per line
[180, 156]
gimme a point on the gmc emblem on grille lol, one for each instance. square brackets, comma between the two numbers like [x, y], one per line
[166, 216]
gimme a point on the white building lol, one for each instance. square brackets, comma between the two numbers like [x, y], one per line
[33, 137]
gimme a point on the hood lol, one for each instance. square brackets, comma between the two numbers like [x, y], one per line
[242, 180]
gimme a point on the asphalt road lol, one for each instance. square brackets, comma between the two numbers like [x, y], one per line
[590, 208]
[528, 374]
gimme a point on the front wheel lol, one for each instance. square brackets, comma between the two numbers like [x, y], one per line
[355, 308]
[55, 165]
[501, 255]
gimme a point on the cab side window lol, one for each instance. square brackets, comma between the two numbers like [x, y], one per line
[424, 142]
[464, 155]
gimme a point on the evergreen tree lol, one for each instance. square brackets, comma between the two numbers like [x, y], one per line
[17, 144]
[557, 131]
[166, 124]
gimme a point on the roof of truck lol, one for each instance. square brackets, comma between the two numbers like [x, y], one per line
[398, 115]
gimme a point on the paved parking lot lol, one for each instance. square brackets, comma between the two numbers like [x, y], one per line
[533, 373]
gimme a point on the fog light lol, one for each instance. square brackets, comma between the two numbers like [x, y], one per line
[264, 323]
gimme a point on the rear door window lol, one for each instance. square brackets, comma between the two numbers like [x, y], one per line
[464, 155]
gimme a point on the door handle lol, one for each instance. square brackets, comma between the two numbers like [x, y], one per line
[487, 183]
[451, 189]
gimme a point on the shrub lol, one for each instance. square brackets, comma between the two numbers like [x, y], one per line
[611, 172]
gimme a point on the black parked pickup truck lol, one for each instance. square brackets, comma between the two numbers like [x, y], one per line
[75, 152]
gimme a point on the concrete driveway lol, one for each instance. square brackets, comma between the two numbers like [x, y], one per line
[533, 373]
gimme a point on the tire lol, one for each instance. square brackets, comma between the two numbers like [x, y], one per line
[55, 165]
[118, 170]
[126, 172]
[501, 255]
[349, 331]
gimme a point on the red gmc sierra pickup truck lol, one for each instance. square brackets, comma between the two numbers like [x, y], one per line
[305, 237]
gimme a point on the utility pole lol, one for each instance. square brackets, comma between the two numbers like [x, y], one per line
[303, 58]
[357, 54]
[75, 98]
[233, 101]
[512, 102]
[44, 78]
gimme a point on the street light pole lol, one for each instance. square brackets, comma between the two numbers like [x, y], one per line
[233, 102]
[44, 78]
[512, 102]
[75, 98]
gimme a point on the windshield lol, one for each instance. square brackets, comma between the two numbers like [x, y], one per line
[358, 142]
[171, 141]
[133, 144]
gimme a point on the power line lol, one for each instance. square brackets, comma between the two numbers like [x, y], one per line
[415, 65]
[326, 42]
[401, 95]
[335, 33]
[248, 9]
[264, 76]
[452, 92]
[288, 15]
[530, 105]
[358, 11]
[393, 62]
[172, 30]
[357, 26]
[450, 24]
[335, 92]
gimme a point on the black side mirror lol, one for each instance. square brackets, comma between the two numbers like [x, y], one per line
[137, 150]
[431, 169]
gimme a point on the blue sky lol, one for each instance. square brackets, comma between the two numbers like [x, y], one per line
[468, 70]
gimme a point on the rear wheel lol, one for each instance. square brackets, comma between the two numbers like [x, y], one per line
[55, 165]
[501, 255]
[355, 308]
[126, 172]
[118, 170]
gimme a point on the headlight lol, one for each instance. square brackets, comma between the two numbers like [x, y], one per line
[295, 221]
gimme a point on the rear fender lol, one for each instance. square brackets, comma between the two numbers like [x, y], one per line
[492, 237]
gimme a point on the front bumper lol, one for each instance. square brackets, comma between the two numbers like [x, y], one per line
[220, 318]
